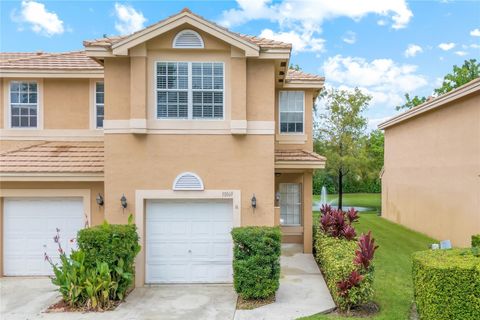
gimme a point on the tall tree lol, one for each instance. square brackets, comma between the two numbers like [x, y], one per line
[459, 76]
[341, 134]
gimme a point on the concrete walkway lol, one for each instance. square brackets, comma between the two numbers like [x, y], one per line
[303, 291]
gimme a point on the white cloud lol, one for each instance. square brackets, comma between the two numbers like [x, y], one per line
[309, 15]
[42, 21]
[300, 42]
[412, 50]
[382, 22]
[461, 53]
[475, 32]
[475, 46]
[384, 79]
[129, 20]
[446, 46]
[350, 37]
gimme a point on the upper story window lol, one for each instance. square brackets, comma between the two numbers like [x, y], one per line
[99, 104]
[188, 39]
[291, 111]
[23, 104]
[190, 90]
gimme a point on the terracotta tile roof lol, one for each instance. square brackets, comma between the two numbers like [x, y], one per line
[54, 157]
[297, 155]
[300, 75]
[261, 42]
[75, 60]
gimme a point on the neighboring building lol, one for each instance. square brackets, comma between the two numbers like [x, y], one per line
[187, 122]
[431, 177]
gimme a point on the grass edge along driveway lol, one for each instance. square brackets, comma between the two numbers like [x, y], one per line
[393, 260]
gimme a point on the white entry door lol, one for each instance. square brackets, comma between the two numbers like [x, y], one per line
[189, 241]
[29, 225]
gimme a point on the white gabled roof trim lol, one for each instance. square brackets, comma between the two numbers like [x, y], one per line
[188, 181]
[121, 47]
[451, 96]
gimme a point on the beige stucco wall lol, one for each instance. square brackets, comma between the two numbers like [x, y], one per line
[64, 103]
[96, 212]
[224, 162]
[431, 181]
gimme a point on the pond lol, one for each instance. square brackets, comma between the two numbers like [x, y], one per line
[316, 207]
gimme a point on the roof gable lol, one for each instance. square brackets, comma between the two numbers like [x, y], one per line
[185, 17]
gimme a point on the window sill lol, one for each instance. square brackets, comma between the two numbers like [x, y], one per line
[291, 138]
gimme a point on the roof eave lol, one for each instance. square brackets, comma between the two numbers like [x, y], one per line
[453, 95]
[50, 73]
[300, 164]
[52, 176]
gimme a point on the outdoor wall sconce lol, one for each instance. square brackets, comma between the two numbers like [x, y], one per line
[123, 201]
[99, 200]
[254, 201]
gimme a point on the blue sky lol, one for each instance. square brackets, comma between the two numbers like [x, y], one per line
[384, 47]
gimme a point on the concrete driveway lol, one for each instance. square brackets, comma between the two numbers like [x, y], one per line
[27, 298]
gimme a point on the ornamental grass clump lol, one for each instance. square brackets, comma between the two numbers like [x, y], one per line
[346, 263]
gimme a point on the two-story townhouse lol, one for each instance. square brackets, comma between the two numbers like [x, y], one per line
[188, 126]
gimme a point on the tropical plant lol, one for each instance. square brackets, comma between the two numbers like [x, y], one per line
[366, 250]
[337, 223]
[81, 286]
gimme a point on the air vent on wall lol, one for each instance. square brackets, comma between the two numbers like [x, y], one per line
[187, 181]
[188, 39]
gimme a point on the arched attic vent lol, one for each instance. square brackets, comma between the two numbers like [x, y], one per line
[188, 39]
[187, 181]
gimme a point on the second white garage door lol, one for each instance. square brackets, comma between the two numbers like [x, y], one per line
[189, 241]
[29, 225]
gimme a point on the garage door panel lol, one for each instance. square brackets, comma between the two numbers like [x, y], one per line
[201, 252]
[29, 227]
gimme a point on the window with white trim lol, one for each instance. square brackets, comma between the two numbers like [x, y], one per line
[99, 104]
[291, 111]
[290, 204]
[190, 90]
[23, 104]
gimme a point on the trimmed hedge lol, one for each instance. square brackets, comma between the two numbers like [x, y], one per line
[447, 284]
[335, 257]
[256, 261]
[476, 240]
[115, 244]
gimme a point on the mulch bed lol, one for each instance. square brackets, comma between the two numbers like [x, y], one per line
[243, 304]
[62, 306]
[364, 311]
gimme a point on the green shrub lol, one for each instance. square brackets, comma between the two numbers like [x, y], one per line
[82, 287]
[256, 261]
[336, 259]
[476, 240]
[447, 284]
[116, 245]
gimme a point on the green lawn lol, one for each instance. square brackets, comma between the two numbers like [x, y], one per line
[393, 281]
[372, 200]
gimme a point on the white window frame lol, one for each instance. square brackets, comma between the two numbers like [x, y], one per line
[8, 105]
[189, 92]
[95, 104]
[300, 205]
[280, 113]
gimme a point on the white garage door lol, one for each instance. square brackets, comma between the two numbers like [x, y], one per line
[29, 225]
[189, 241]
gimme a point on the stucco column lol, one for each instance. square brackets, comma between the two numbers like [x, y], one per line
[307, 212]
[138, 93]
[238, 76]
